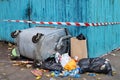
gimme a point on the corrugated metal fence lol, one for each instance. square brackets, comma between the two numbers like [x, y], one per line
[100, 39]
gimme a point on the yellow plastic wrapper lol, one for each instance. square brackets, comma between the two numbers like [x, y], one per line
[38, 77]
[70, 65]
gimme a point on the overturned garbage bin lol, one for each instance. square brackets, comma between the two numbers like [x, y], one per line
[40, 43]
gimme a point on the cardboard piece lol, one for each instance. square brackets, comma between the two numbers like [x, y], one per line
[78, 48]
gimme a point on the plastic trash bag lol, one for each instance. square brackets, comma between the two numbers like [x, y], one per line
[49, 64]
[14, 54]
[97, 65]
[65, 58]
[58, 57]
[66, 61]
[81, 37]
[70, 65]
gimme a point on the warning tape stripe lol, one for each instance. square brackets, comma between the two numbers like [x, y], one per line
[65, 23]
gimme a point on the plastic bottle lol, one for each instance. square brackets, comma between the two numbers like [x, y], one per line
[75, 73]
[77, 70]
[76, 58]
[92, 74]
[52, 79]
[56, 73]
[77, 76]
[66, 73]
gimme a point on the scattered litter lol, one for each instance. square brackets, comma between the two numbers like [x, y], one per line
[9, 54]
[52, 74]
[97, 74]
[84, 79]
[76, 76]
[114, 73]
[70, 79]
[14, 55]
[81, 37]
[49, 64]
[64, 73]
[70, 65]
[9, 44]
[92, 74]
[25, 64]
[73, 73]
[65, 66]
[15, 64]
[22, 69]
[113, 54]
[102, 67]
[58, 57]
[99, 79]
[37, 72]
[4, 74]
[66, 61]
[14, 52]
[52, 79]
[38, 77]
[76, 58]
[48, 75]
[45, 70]
[10, 48]
[28, 65]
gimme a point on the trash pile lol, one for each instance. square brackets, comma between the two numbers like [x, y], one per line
[63, 65]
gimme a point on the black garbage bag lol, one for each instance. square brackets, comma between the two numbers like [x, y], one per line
[49, 64]
[81, 37]
[97, 65]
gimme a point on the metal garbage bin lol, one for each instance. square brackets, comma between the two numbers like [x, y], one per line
[40, 42]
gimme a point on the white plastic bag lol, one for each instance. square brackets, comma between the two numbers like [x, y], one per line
[65, 59]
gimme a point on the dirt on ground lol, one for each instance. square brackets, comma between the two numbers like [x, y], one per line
[8, 71]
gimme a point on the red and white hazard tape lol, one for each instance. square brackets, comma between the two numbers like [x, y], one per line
[65, 23]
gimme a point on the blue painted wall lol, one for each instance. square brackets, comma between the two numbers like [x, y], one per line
[60, 10]
[100, 40]
[12, 9]
[103, 39]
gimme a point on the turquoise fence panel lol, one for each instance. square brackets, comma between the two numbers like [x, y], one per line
[12, 9]
[60, 11]
[103, 39]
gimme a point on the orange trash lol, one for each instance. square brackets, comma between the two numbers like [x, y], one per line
[70, 65]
